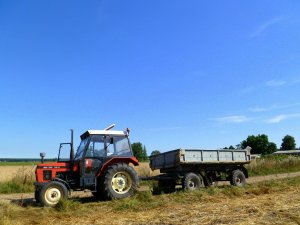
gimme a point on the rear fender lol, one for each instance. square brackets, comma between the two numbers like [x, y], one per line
[116, 160]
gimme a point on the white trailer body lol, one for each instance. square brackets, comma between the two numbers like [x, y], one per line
[175, 158]
[195, 168]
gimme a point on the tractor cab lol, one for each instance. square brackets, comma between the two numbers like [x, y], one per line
[98, 147]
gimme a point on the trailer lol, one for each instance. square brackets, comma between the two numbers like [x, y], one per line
[196, 168]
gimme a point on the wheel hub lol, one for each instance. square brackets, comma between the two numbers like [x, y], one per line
[191, 184]
[121, 182]
[52, 195]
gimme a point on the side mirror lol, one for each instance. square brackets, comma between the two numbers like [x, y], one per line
[42, 155]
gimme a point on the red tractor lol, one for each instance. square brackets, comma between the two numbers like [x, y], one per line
[101, 164]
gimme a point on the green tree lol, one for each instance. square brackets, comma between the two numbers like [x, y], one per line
[155, 152]
[260, 144]
[139, 151]
[288, 143]
[144, 156]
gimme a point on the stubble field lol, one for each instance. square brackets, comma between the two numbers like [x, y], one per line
[271, 202]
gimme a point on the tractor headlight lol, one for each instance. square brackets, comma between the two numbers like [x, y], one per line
[47, 174]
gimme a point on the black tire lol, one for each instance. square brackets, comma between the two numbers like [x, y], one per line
[167, 186]
[192, 181]
[238, 178]
[120, 181]
[51, 193]
[95, 194]
[100, 194]
[36, 196]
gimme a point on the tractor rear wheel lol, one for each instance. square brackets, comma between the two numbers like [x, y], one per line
[120, 181]
[51, 193]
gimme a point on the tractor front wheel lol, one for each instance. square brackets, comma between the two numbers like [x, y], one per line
[51, 193]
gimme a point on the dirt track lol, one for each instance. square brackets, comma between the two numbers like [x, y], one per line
[30, 196]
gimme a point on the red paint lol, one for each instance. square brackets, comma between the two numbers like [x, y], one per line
[54, 167]
[116, 160]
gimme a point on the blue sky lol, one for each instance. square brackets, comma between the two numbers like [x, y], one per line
[192, 74]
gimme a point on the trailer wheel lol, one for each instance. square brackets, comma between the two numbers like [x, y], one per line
[51, 193]
[192, 181]
[238, 178]
[120, 181]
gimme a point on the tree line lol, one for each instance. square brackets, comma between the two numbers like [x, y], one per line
[260, 144]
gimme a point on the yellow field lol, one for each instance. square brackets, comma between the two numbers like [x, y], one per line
[8, 172]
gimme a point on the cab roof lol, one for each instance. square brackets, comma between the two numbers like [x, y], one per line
[104, 132]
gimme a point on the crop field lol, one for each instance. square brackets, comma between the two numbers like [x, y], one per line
[258, 167]
[7, 172]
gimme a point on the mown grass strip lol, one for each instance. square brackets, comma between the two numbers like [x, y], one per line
[145, 200]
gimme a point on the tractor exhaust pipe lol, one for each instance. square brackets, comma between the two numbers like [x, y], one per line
[72, 145]
[110, 127]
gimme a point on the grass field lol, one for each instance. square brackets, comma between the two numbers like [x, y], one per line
[273, 202]
[273, 165]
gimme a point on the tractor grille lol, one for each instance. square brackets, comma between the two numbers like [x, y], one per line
[47, 174]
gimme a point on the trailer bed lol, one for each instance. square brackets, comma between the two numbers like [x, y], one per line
[178, 157]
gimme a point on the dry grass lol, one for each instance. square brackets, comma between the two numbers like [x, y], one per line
[20, 182]
[8, 172]
[273, 165]
[144, 170]
[275, 202]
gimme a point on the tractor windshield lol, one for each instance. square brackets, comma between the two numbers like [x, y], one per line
[81, 148]
[107, 146]
[96, 146]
